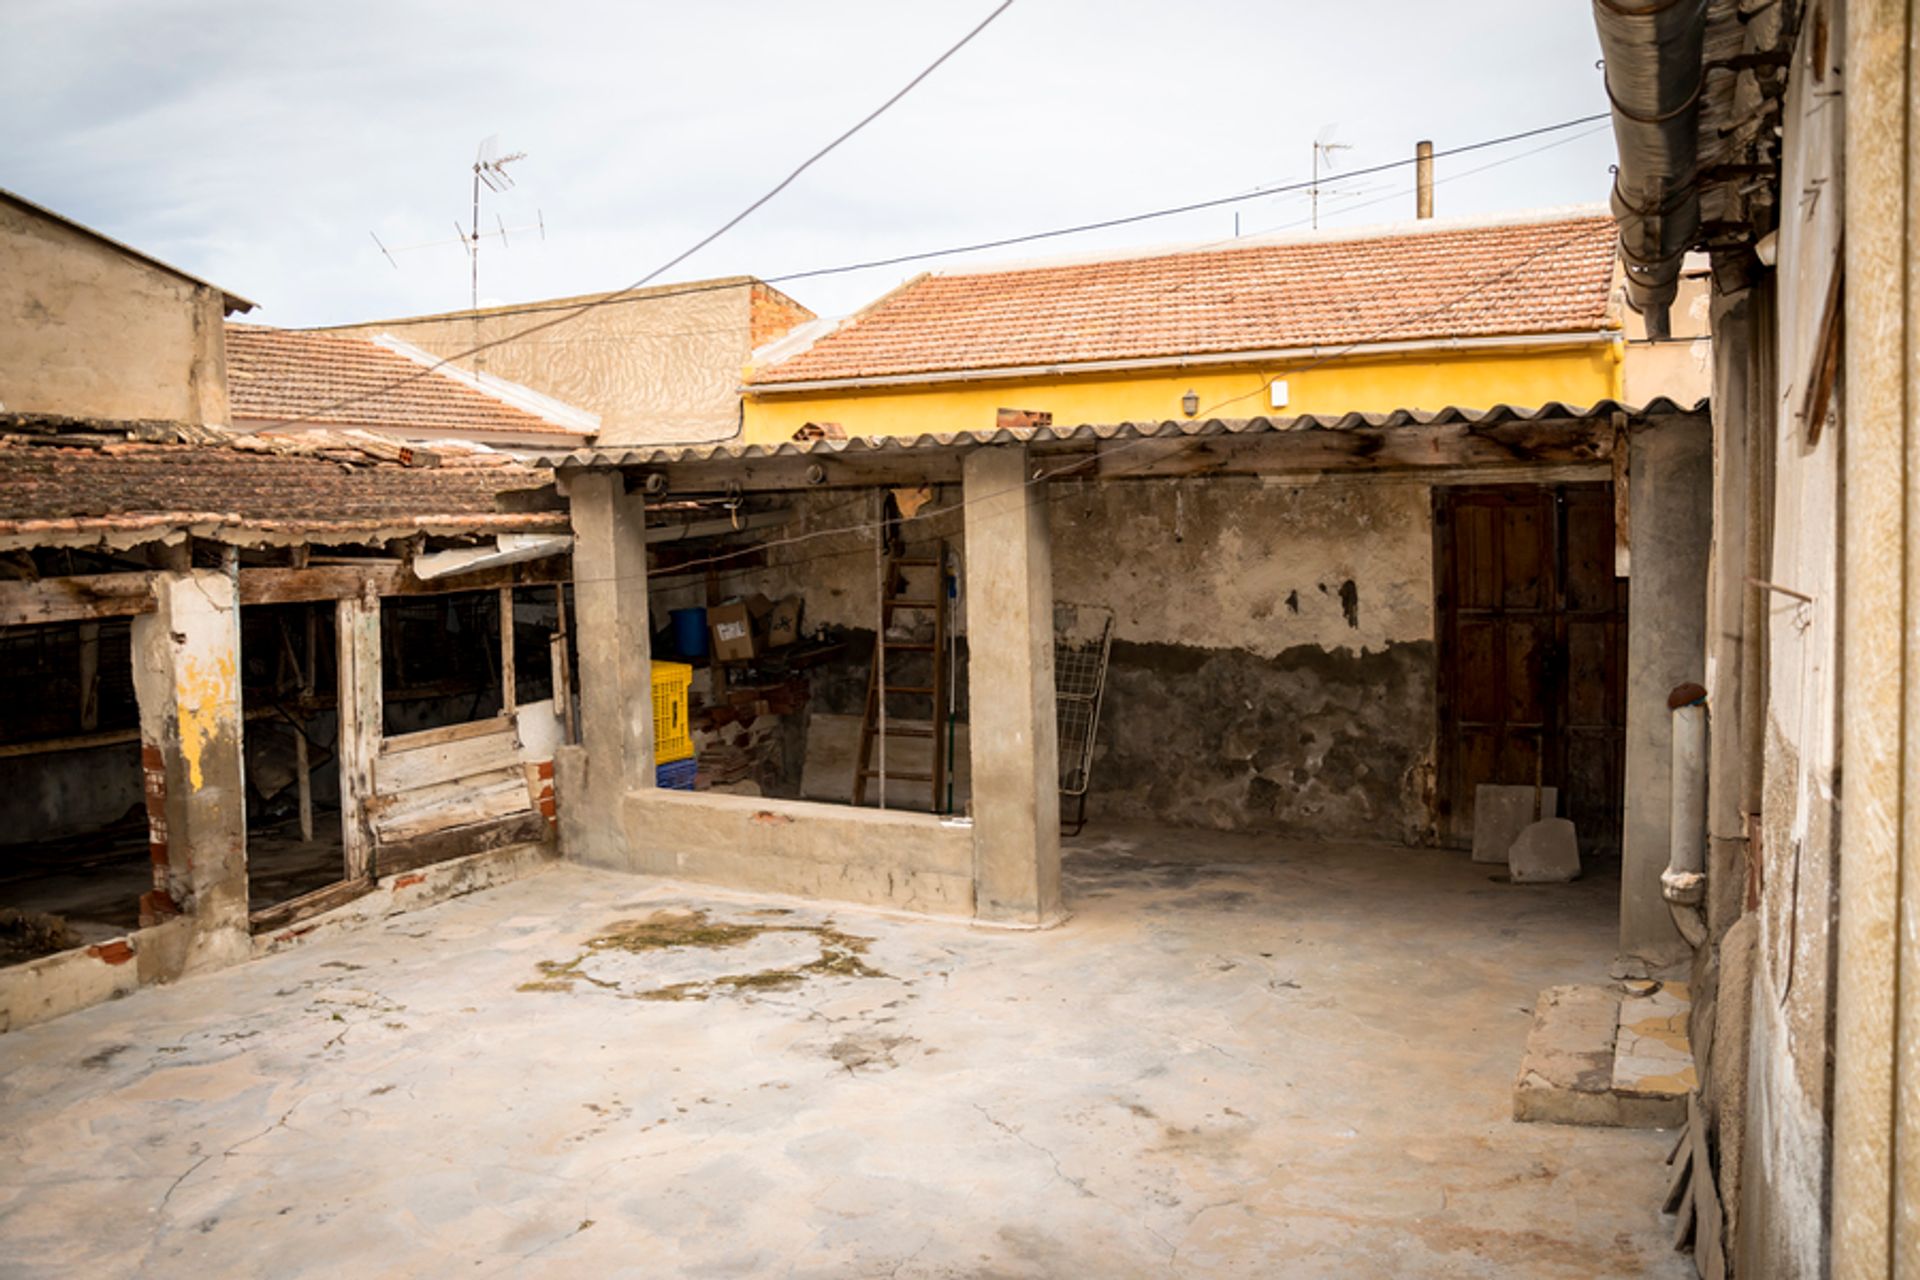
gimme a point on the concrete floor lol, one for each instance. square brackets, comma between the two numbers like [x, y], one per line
[1240, 1058]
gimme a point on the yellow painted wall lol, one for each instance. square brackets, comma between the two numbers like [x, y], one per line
[1474, 379]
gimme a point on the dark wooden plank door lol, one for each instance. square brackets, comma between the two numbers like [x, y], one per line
[1532, 640]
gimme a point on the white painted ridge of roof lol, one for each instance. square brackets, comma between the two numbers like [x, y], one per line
[526, 399]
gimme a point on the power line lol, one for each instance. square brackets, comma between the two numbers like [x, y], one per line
[619, 339]
[697, 245]
[571, 311]
[1042, 476]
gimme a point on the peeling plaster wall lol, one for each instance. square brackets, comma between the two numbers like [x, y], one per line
[1784, 1212]
[1273, 661]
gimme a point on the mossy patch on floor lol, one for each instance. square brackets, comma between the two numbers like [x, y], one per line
[840, 955]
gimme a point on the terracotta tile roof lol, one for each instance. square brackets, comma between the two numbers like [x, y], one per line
[1534, 277]
[68, 489]
[286, 374]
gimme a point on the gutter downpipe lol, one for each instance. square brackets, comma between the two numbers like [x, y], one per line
[1654, 76]
[1684, 882]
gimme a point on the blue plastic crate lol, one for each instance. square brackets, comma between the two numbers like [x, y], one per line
[675, 775]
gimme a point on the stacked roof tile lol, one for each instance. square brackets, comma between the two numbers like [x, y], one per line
[1534, 277]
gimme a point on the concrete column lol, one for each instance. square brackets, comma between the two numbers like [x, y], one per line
[186, 678]
[1015, 741]
[616, 689]
[1671, 492]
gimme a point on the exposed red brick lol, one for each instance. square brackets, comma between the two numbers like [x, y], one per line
[408, 881]
[119, 951]
[768, 818]
[771, 314]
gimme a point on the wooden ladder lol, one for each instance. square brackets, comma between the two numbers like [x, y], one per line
[880, 682]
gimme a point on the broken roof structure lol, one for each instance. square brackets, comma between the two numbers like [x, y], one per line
[120, 485]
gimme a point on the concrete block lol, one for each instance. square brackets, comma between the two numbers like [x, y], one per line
[1499, 813]
[1545, 852]
[1567, 1075]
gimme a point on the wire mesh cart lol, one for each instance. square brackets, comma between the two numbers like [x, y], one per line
[1082, 641]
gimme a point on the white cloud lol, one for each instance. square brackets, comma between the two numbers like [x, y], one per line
[259, 145]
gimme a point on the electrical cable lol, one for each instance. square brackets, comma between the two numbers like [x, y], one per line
[607, 299]
[1042, 476]
[570, 311]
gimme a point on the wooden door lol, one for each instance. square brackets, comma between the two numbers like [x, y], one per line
[1532, 648]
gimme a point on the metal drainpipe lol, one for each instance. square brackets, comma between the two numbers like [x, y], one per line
[1654, 75]
[1684, 882]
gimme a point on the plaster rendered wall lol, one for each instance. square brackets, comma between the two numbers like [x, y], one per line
[661, 364]
[63, 793]
[1273, 658]
[1784, 1215]
[1424, 380]
[92, 332]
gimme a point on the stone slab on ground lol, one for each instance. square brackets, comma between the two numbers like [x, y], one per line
[1499, 814]
[1651, 1057]
[1545, 852]
[1567, 1074]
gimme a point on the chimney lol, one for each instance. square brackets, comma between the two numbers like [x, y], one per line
[1423, 178]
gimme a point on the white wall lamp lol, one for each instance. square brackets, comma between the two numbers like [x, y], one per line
[1190, 402]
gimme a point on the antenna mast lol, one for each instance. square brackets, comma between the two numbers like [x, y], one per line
[1323, 148]
[489, 171]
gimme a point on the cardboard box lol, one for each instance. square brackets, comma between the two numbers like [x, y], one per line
[732, 627]
[783, 624]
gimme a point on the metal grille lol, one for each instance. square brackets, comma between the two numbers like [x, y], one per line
[1082, 637]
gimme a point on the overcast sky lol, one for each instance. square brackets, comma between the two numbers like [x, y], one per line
[258, 145]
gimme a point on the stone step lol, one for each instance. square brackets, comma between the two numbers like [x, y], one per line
[1612, 1055]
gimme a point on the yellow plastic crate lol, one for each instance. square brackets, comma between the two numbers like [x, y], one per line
[672, 736]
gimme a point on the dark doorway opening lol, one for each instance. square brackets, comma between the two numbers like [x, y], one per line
[290, 697]
[1532, 627]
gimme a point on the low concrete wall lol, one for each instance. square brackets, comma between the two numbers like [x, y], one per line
[78, 979]
[883, 858]
[413, 890]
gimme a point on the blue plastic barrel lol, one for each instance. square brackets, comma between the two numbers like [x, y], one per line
[689, 632]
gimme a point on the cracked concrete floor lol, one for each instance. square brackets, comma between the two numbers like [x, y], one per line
[1240, 1058]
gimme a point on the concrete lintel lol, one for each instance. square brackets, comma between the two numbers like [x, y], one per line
[1015, 742]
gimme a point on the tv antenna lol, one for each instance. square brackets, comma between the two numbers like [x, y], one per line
[1323, 148]
[490, 172]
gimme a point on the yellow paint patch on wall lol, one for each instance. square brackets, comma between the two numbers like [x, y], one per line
[204, 694]
[1525, 377]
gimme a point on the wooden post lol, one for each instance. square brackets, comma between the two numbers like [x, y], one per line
[507, 674]
[357, 627]
[309, 673]
[562, 668]
[89, 676]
